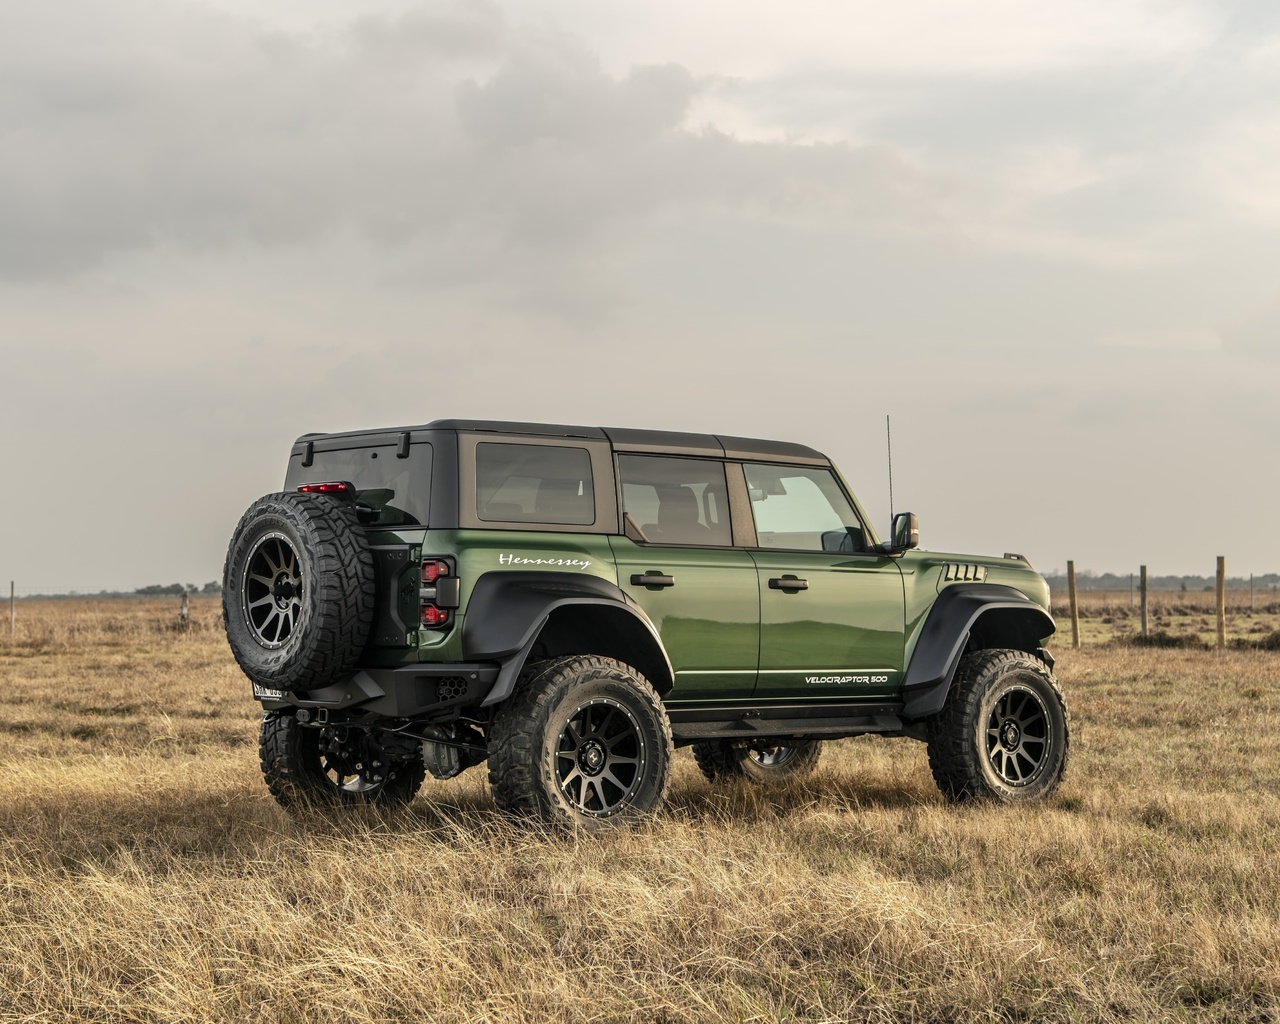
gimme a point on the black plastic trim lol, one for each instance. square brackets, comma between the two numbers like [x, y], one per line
[405, 692]
[946, 632]
[791, 720]
[507, 611]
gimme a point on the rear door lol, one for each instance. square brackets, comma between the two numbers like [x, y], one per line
[697, 588]
[831, 613]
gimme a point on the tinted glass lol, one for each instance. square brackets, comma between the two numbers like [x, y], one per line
[534, 483]
[389, 491]
[677, 501]
[801, 510]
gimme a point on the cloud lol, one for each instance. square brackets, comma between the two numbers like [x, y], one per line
[470, 146]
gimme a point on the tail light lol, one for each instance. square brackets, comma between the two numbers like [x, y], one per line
[334, 488]
[439, 594]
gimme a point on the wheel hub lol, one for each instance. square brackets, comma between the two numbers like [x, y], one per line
[1010, 736]
[282, 590]
[591, 757]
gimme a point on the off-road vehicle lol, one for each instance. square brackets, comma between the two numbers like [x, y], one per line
[571, 603]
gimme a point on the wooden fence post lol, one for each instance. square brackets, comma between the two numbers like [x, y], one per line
[12, 611]
[1075, 607]
[1222, 602]
[1142, 589]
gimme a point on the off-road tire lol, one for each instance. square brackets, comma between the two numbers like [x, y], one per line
[332, 604]
[961, 735]
[299, 775]
[534, 780]
[722, 760]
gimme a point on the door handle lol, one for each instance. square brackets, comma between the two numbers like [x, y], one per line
[654, 579]
[788, 583]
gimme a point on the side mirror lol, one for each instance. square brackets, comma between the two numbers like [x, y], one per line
[847, 541]
[905, 531]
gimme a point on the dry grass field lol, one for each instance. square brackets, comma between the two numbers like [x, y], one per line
[147, 876]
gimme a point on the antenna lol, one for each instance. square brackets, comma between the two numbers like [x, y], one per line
[888, 438]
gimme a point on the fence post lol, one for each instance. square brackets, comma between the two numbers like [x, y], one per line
[1130, 591]
[1075, 608]
[12, 611]
[1142, 586]
[1250, 592]
[184, 611]
[1222, 602]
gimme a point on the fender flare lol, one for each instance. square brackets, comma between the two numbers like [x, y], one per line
[946, 632]
[508, 610]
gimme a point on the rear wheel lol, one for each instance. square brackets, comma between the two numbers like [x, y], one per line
[771, 762]
[583, 741]
[1003, 734]
[308, 766]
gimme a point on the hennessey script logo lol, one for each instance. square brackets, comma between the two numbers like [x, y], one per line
[568, 563]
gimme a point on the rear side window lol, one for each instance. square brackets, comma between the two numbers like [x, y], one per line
[534, 483]
[677, 501]
[389, 491]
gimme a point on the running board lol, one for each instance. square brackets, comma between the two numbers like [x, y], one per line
[793, 721]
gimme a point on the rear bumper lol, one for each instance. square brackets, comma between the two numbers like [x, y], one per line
[405, 692]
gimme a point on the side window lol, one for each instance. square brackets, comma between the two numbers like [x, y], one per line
[677, 501]
[534, 483]
[801, 510]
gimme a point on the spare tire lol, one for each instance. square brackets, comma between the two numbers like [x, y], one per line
[298, 591]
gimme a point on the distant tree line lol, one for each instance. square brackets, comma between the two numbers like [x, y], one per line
[160, 589]
[1111, 581]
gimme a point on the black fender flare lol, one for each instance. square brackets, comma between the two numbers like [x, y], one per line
[946, 632]
[508, 610]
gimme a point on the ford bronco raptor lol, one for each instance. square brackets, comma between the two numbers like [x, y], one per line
[570, 604]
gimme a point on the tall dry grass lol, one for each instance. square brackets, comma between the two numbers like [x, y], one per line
[147, 876]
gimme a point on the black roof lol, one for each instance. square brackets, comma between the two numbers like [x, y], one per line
[623, 439]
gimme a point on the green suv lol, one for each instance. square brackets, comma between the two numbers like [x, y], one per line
[570, 604]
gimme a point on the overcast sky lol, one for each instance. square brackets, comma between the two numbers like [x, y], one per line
[1043, 237]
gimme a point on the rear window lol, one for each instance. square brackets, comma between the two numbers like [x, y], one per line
[390, 491]
[534, 483]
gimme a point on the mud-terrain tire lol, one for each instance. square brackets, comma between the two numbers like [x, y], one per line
[298, 591]
[770, 763]
[582, 742]
[1004, 732]
[299, 773]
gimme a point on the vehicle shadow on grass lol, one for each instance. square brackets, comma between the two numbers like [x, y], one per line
[77, 831]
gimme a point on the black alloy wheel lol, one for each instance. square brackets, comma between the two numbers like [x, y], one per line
[600, 757]
[1018, 736]
[272, 590]
[765, 761]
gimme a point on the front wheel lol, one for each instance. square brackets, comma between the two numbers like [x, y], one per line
[769, 762]
[583, 741]
[1003, 733]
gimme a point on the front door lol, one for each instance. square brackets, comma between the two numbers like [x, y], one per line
[698, 590]
[831, 613]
